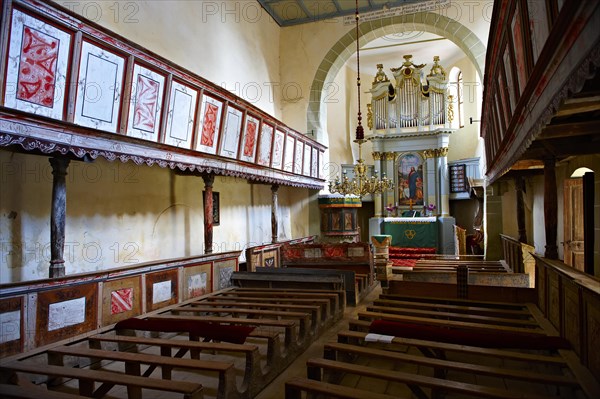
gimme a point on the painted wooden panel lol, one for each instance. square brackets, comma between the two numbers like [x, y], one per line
[12, 327]
[222, 273]
[288, 159]
[231, 133]
[181, 116]
[249, 139]
[298, 154]
[38, 62]
[66, 312]
[161, 289]
[541, 285]
[121, 299]
[197, 281]
[211, 112]
[266, 142]
[278, 148]
[99, 88]
[146, 107]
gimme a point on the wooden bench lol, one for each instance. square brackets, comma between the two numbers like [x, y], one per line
[350, 285]
[330, 281]
[324, 304]
[334, 302]
[252, 369]
[454, 316]
[297, 385]
[133, 362]
[289, 326]
[473, 310]
[333, 351]
[483, 327]
[86, 379]
[457, 302]
[316, 292]
[348, 336]
[316, 367]
[315, 310]
[8, 391]
[301, 317]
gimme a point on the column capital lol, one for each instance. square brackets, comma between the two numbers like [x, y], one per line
[209, 179]
[389, 156]
[377, 155]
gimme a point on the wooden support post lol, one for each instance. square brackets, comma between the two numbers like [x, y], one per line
[520, 188]
[550, 208]
[58, 216]
[274, 211]
[209, 179]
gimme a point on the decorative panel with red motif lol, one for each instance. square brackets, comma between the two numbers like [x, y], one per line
[36, 75]
[121, 299]
[249, 140]
[147, 103]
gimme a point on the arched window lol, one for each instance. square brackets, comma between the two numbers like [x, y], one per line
[460, 99]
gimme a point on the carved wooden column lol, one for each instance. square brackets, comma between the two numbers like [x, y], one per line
[58, 216]
[550, 208]
[520, 188]
[274, 211]
[208, 212]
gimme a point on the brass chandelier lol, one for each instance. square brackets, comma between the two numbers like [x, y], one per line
[361, 184]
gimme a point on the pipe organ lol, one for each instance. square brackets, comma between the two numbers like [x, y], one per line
[414, 103]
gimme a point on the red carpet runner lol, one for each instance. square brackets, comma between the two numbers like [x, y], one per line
[408, 256]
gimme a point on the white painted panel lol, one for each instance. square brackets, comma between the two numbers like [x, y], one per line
[10, 326]
[161, 291]
[66, 313]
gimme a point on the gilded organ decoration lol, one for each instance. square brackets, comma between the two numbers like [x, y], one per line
[414, 100]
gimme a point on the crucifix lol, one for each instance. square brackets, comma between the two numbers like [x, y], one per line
[410, 203]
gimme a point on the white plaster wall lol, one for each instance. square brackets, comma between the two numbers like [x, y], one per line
[465, 142]
[234, 44]
[121, 214]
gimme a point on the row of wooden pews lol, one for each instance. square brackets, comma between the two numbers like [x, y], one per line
[422, 347]
[228, 345]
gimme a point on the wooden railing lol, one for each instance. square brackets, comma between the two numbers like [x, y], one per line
[41, 312]
[513, 253]
[570, 300]
[269, 255]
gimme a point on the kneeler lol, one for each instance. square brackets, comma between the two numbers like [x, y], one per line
[195, 329]
[460, 336]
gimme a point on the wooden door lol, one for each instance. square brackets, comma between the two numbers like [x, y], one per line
[573, 222]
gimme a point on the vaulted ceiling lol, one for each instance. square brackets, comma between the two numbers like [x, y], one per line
[294, 12]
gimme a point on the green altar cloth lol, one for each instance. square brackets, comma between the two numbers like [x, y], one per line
[419, 232]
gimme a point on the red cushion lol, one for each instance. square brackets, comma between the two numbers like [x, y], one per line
[484, 339]
[212, 331]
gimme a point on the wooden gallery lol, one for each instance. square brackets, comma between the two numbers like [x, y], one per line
[300, 199]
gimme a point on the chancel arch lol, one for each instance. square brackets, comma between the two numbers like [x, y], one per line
[337, 56]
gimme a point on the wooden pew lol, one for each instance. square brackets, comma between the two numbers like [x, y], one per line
[301, 317]
[9, 391]
[473, 310]
[437, 314]
[483, 327]
[275, 295]
[252, 369]
[324, 304]
[314, 310]
[416, 382]
[133, 362]
[457, 302]
[341, 303]
[330, 281]
[289, 326]
[334, 351]
[297, 385]
[86, 379]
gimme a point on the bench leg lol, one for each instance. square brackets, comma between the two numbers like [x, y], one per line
[292, 392]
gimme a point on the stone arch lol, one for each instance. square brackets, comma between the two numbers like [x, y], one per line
[337, 56]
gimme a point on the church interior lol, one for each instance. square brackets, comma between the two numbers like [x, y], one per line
[363, 199]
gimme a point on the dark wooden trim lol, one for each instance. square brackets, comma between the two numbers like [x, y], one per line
[588, 222]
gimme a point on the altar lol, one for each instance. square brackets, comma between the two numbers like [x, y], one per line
[415, 232]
